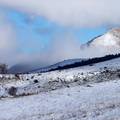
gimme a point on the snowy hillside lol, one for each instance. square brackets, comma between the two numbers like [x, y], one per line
[84, 93]
[34, 83]
[98, 102]
[110, 39]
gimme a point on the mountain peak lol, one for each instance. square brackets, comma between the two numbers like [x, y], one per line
[109, 39]
[115, 32]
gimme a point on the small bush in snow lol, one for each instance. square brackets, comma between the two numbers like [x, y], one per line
[17, 76]
[85, 79]
[12, 91]
[35, 81]
[32, 77]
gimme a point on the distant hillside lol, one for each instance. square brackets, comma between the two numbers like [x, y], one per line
[24, 67]
[87, 62]
[59, 64]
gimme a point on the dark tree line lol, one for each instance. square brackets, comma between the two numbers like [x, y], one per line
[87, 62]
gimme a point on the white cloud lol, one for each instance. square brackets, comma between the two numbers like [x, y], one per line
[8, 43]
[81, 13]
[64, 47]
[61, 48]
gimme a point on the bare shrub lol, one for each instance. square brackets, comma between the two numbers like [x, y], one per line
[12, 91]
[35, 81]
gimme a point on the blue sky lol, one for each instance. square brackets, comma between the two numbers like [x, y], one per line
[35, 34]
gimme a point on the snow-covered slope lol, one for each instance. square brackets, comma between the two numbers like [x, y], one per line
[83, 93]
[99, 102]
[41, 82]
[110, 39]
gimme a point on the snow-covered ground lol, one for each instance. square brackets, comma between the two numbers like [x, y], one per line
[99, 101]
[83, 93]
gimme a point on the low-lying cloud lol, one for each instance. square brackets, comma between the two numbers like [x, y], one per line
[8, 43]
[60, 48]
[65, 47]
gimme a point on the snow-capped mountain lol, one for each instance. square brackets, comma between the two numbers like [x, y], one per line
[108, 43]
[109, 39]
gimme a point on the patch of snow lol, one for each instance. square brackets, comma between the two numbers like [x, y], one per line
[98, 102]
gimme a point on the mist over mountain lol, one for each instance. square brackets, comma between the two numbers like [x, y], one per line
[108, 43]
